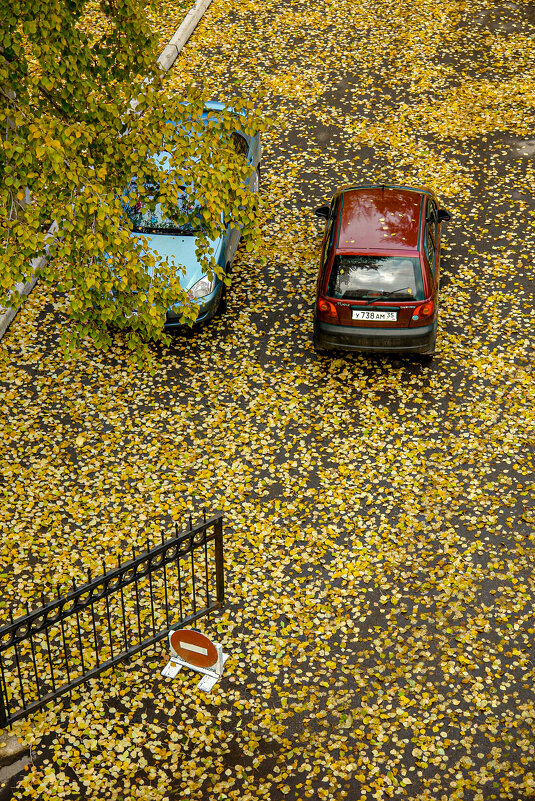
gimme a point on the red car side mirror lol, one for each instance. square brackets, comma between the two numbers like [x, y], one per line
[322, 211]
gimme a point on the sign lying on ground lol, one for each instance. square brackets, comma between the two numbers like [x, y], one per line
[190, 648]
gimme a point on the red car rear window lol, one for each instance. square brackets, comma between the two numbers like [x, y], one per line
[362, 277]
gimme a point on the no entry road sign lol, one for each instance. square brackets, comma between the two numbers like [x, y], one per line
[194, 648]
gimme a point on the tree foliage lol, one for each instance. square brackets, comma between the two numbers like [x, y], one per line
[81, 114]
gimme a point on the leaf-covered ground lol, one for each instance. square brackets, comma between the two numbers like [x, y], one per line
[379, 511]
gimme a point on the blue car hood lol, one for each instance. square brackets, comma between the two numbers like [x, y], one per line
[181, 250]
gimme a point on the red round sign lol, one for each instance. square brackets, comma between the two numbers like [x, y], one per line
[194, 648]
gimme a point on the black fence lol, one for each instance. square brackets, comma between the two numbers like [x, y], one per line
[51, 650]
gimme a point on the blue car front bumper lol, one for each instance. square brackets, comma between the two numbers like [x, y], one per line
[208, 306]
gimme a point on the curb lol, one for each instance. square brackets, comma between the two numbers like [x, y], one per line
[14, 757]
[20, 289]
[166, 59]
[170, 52]
[10, 748]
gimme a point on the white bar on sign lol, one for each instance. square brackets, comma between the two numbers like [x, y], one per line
[188, 646]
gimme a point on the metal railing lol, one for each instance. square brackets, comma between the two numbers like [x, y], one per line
[74, 638]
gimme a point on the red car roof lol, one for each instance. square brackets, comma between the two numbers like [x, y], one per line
[374, 218]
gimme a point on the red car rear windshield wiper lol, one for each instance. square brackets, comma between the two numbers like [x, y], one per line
[386, 294]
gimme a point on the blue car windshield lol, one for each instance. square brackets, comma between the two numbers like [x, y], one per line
[146, 215]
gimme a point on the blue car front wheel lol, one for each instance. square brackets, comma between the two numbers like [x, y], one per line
[222, 308]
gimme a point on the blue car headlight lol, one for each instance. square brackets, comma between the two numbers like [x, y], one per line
[202, 288]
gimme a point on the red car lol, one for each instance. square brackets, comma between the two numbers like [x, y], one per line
[379, 272]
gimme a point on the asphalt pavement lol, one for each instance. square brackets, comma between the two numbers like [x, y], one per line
[379, 510]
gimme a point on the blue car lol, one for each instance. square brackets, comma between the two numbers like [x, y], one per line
[167, 241]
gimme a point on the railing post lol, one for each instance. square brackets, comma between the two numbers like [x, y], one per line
[3, 710]
[219, 566]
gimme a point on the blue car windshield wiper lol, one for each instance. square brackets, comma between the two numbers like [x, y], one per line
[386, 294]
[149, 229]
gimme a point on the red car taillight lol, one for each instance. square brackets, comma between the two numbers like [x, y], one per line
[327, 308]
[425, 310]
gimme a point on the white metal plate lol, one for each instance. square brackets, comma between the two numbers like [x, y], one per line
[171, 669]
[207, 683]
